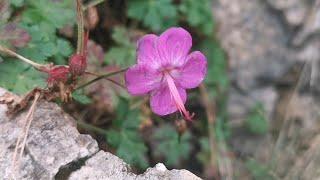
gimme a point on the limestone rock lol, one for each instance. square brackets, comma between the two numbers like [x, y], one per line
[106, 166]
[56, 150]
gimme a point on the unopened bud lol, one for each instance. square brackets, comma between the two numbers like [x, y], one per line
[77, 64]
[57, 74]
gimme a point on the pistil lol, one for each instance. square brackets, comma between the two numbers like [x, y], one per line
[176, 96]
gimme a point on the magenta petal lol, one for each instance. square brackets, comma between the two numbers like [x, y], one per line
[193, 72]
[141, 79]
[146, 52]
[173, 46]
[162, 103]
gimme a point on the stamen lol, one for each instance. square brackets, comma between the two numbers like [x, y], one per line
[176, 96]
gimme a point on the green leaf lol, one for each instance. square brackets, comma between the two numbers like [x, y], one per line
[64, 47]
[217, 75]
[258, 170]
[17, 3]
[256, 121]
[199, 14]
[169, 146]
[121, 36]
[123, 54]
[57, 14]
[113, 137]
[155, 14]
[19, 77]
[204, 153]
[221, 129]
[132, 149]
[81, 97]
[125, 135]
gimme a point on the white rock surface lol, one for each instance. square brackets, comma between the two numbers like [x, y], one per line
[56, 150]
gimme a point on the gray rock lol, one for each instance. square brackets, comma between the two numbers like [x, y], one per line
[56, 150]
[240, 105]
[104, 166]
[53, 142]
[255, 42]
[311, 25]
[295, 11]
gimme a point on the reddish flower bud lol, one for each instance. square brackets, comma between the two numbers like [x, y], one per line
[57, 74]
[77, 64]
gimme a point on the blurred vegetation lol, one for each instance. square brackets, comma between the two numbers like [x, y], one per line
[127, 128]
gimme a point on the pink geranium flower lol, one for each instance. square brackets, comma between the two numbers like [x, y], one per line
[165, 69]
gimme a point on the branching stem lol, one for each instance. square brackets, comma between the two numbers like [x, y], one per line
[28, 61]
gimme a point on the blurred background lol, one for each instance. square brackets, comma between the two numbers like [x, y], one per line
[257, 113]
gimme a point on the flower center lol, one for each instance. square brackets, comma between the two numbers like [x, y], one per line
[176, 96]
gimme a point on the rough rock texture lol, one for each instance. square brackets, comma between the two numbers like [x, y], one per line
[56, 150]
[255, 42]
[107, 166]
[53, 142]
[266, 41]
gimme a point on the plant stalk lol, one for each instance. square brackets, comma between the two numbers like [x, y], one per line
[101, 77]
[80, 22]
[28, 61]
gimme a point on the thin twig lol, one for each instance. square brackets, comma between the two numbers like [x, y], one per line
[101, 77]
[91, 4]
[28, 61]
[23, 136]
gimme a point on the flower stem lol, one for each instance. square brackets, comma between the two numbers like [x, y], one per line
[111, 80]
[80, 22]
[101, 77]
[91, 4]
[28, 61]
[211, 117]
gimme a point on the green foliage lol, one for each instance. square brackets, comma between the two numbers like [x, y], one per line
[18, 77]
[155, 14]
[124, 53]
[17, 3]
[256, 121]
[217, 76]
[54, 14]
[199, 14]
[222, 129]
[80, 97]
[170, 146]
[258, 171]
[204, 154]
[41, 19]
[125, 137]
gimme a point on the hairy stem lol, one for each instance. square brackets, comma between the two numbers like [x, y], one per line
[80, 21]
[28, 61]
[101, 77]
